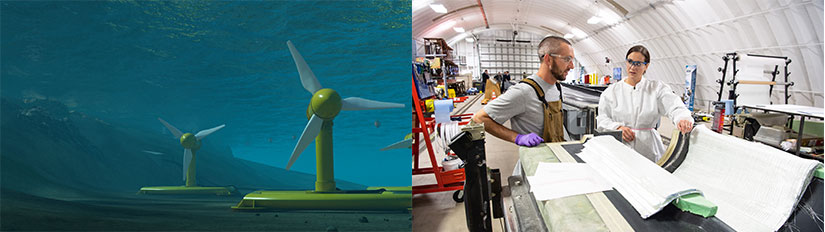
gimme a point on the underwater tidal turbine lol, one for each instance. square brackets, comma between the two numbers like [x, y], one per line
[191, 143]
[324, 106]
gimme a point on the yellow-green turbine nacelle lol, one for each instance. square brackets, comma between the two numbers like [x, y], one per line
[189, 141]
[326, 103]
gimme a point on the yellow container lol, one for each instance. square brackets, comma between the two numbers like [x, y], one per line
[451, 93]
[429, 105]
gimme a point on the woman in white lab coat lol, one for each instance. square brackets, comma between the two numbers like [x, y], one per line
[635, 105]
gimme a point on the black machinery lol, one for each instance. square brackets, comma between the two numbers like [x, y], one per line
[482, 186]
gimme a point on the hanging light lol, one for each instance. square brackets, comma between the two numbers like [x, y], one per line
[458, 29]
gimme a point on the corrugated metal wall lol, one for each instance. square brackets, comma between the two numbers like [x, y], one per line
[701, 32]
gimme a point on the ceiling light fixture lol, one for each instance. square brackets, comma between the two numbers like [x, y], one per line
[469, 39]
[609, 17]
[458, 29]
[568, 36]
[594, 20]
[578, 32]
[438, 8]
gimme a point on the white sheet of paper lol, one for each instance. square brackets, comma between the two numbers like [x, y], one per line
[557, 180]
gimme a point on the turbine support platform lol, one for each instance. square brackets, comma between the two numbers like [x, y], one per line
[374, 198]
[191, 190]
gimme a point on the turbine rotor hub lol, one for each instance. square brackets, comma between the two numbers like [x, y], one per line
[326, 103]
[189, 141]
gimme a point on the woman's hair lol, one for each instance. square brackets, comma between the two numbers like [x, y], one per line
[639, 49]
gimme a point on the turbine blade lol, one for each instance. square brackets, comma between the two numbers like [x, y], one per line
[152, 152]
[310, 132]
[308, 79]
[171, 128]
[357, 103]
[206, 132]
[407, 143]
[187, 158]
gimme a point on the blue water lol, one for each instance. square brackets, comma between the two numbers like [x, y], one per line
[201, 64]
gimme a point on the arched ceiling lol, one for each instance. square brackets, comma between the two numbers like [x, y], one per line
[676, 32]
[556, 17]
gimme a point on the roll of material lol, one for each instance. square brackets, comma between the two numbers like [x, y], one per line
[577, 104]
[450, 165]
[754, 94]
[445, 132]
[761, 61]
[443, 108]
[757, 187]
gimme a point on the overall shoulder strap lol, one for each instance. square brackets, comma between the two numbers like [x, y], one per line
[558, 86]
[539, 91]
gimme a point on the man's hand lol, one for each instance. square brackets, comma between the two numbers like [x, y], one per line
[627, 134]
[685, 126]
[529, 140]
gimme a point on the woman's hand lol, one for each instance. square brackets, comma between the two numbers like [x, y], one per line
[627, 134]
[685, 126]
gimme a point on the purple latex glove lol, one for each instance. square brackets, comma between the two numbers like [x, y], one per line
[529, 140]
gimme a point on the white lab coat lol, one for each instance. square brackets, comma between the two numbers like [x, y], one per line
[641, 107]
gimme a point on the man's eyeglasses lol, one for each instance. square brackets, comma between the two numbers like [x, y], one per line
[566, 59]
[636, 63]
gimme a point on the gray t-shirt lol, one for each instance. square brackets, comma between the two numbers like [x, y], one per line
[521, 105]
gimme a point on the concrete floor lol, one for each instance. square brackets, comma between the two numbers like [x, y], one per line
[438, 212]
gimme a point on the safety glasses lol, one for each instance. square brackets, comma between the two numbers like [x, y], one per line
[566, 59]
[636, 63]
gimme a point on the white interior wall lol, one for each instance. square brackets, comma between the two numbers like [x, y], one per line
[468, 52]
[701, 32]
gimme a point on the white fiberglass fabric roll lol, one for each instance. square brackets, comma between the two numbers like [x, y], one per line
[755, 186]
[753, 94]
[647, 187]
[752, 68]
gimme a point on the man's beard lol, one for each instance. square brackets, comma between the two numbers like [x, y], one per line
[558, 73]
